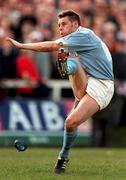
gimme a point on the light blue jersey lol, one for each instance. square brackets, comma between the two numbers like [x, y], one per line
[94, 55]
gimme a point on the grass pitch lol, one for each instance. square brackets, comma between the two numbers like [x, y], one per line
[85, 164]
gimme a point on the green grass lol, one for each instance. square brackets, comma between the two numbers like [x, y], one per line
[85, 164]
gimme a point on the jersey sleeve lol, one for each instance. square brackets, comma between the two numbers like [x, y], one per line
[77, 42]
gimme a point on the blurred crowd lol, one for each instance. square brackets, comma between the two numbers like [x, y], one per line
[36, 20]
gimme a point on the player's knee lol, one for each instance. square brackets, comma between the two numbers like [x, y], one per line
[70, 123]
[79, 94]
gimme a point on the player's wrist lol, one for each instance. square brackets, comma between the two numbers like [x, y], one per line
[21, 46]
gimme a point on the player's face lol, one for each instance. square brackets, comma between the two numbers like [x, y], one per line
[66, 26]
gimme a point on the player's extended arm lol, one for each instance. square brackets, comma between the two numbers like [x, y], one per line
[46, 46]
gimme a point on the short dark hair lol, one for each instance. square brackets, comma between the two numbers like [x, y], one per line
[73, 16]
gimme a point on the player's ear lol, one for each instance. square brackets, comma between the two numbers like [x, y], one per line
[75, 23]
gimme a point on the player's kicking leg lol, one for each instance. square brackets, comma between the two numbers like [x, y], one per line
[84, 108]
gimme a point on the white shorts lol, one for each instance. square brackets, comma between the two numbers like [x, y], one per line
[100, 90]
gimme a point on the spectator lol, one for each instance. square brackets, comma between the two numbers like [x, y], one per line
[109, 35]
[8, 56]
[42, 60]
[26, 70]
[26, 20]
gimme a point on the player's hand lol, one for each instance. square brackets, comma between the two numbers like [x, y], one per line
[13, 42]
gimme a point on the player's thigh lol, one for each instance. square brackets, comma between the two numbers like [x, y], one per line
[85, 109]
